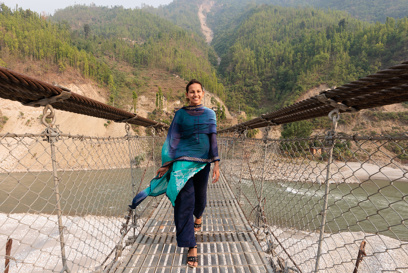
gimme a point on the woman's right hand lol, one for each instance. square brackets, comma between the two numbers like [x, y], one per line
[162, 170]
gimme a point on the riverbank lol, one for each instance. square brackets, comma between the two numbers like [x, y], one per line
[36, 248]
[366, 171]
[90, 239]
[339, 251]
[315, 172]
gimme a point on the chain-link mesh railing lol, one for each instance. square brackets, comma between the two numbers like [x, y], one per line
[63, 199]
[332, 203]
[315, 202]
[281, 185]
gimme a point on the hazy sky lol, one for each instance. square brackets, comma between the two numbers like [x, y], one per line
[49, 6]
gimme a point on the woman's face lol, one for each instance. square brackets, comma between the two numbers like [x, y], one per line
[195, 94]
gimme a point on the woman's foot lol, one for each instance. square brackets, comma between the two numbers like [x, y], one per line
[192, 259]
[197, 224]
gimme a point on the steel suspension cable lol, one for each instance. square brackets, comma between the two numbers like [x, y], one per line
[382, 88]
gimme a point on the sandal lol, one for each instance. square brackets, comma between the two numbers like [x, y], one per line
[193, 259]
[197, 227]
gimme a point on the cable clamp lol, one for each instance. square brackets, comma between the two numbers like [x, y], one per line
[159, 125]
[135, 117]
[43, 102]
[337, 105]
[271, 123]
[242, 131]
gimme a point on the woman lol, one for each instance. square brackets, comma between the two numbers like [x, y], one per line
[190, 147]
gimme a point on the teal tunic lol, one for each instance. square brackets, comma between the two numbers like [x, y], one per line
[190, 145]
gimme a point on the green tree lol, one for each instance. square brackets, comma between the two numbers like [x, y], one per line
[298, 129]
[159, 99]
[87, 30]
[134, 97]
[112, 89]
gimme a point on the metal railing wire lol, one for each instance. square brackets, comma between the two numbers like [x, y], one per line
[314, 202]
[322, 204]
[64, 198]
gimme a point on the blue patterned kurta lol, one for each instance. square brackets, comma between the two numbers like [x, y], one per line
[190, 145]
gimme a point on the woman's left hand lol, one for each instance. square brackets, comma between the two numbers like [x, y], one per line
[216, 172]
[162, 170]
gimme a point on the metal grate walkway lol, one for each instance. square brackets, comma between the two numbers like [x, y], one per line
[226, 242]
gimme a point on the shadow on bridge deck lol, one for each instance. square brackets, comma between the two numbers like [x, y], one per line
[226, 242]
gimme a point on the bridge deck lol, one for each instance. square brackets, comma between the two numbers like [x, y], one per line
[225, 244]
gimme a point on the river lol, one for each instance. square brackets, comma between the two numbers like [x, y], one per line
[371, 206]
[96, 192]
[378, 207]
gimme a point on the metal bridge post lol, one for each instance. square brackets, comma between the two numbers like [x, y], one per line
[225, 146]
[221, 147]
[242, 167]
[52, 137]
[132, 160]
[260, 208]
[334, 116]
[153, 145]
[233, 149]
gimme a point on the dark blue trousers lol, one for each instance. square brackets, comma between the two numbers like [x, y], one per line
[190, 201]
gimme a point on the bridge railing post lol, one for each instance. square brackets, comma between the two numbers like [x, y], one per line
[132, 159]
[52, 137]
[330, 138]
[242, 167]
[261, 217]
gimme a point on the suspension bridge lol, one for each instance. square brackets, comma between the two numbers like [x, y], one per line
[328, 203]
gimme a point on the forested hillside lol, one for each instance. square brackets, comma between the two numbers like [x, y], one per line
[26, 36]
[365, 10]
[181, 12]
[270, 55]
[184, 12]
[275, 54]
[142, 39]
[96, 40]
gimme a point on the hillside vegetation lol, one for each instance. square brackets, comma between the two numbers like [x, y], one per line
[270, 55]
[141, 39]
[275, 54]
[365, 10]
[272, 51]
[96, 40]
[183, 12]
[26, 36]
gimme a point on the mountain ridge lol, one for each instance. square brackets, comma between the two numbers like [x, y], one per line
[262, 67]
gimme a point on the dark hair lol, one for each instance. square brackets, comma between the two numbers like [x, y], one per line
[192, 82]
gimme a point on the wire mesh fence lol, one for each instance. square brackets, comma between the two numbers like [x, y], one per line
[281, 185]
[64, 199]
[328, 203]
